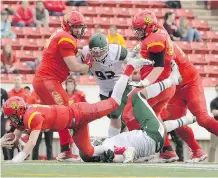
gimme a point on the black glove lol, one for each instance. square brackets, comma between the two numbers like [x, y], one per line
[107, 157]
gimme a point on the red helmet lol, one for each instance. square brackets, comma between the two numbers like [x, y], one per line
[74, 23]
[15, 108]
[144, 23]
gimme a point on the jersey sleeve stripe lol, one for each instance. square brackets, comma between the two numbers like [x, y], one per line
[155, 44]
[68, 40]
[31, 118]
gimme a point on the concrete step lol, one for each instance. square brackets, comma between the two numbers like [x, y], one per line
[192, 6]
[207, 18]
[213, 23]
[201, 12]
[215, 29]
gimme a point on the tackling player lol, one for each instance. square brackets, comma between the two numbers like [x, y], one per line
[59, 58]
[190, 93]
[39, 118]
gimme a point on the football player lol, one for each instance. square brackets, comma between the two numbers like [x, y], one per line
[39, 118]
[58, 59]
[107, 66]
[157, 45]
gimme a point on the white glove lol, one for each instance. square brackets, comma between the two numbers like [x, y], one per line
[140, 84]
[5, 143]
[138, 63]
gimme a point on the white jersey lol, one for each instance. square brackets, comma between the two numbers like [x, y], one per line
[143, 144]
[106, 74]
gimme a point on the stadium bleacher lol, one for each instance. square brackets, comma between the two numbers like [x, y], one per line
[30, 40]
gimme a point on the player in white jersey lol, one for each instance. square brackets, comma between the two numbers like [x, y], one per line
[107, 66]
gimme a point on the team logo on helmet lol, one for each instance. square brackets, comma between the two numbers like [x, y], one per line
[148, 20]
[14, 105]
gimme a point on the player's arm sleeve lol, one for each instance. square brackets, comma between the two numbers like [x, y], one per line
[156, 53]
[35, 121]
[67, 47]
[123, 53]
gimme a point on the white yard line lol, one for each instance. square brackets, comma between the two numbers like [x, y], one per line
[166, 165]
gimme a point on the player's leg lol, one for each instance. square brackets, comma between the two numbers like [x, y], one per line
[194, 95]
[213, 147]
[177, 108]
[51, 92]
[148, 120]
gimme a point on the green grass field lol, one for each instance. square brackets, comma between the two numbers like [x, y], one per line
[58, 169]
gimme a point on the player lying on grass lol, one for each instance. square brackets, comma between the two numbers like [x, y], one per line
[76, 116]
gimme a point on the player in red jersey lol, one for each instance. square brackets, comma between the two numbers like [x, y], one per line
[190, 93]
[76, 116]
[59, 58]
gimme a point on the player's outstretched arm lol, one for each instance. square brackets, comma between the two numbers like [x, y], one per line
[21, 156]
[75, 66]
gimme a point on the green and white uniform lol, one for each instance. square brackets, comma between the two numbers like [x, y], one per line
[108, 71]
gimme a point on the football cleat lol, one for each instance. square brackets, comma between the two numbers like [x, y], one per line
[68, 156]
[168, 157]
[197, 156]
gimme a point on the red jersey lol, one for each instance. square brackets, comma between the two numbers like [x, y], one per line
[21, 93]
[37, 117]
[76, 97]
[53, 67]
[160, 41]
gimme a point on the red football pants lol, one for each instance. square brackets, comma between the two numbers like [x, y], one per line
[85, 113]
[51, 92]
[191, 96]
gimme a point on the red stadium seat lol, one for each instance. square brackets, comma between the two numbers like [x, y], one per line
[185, 46]
[19, 31]
[87, 10]
[165, 10]
[201, 70]
[94, 3]
[212, 71]
[212, 36]
[140, 4]
[156, 4]
[125, 3]
[121, 22]
[200, 25]
[54, 21]
[204, 35]
[103, 21]
[15, 43]
[33, 32]
[184, 13]
[129, 33]
[213, 47]
[134, 11]
[25, 55]
[71, 8]
[37, 54]
[46, 32]
[131, 43]
[210, 81]
[198, 59]
[32, 44]
[212, 59]
[89, 21]
[111, 3]
[104, 11]
[199, 48]
[121, 12]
